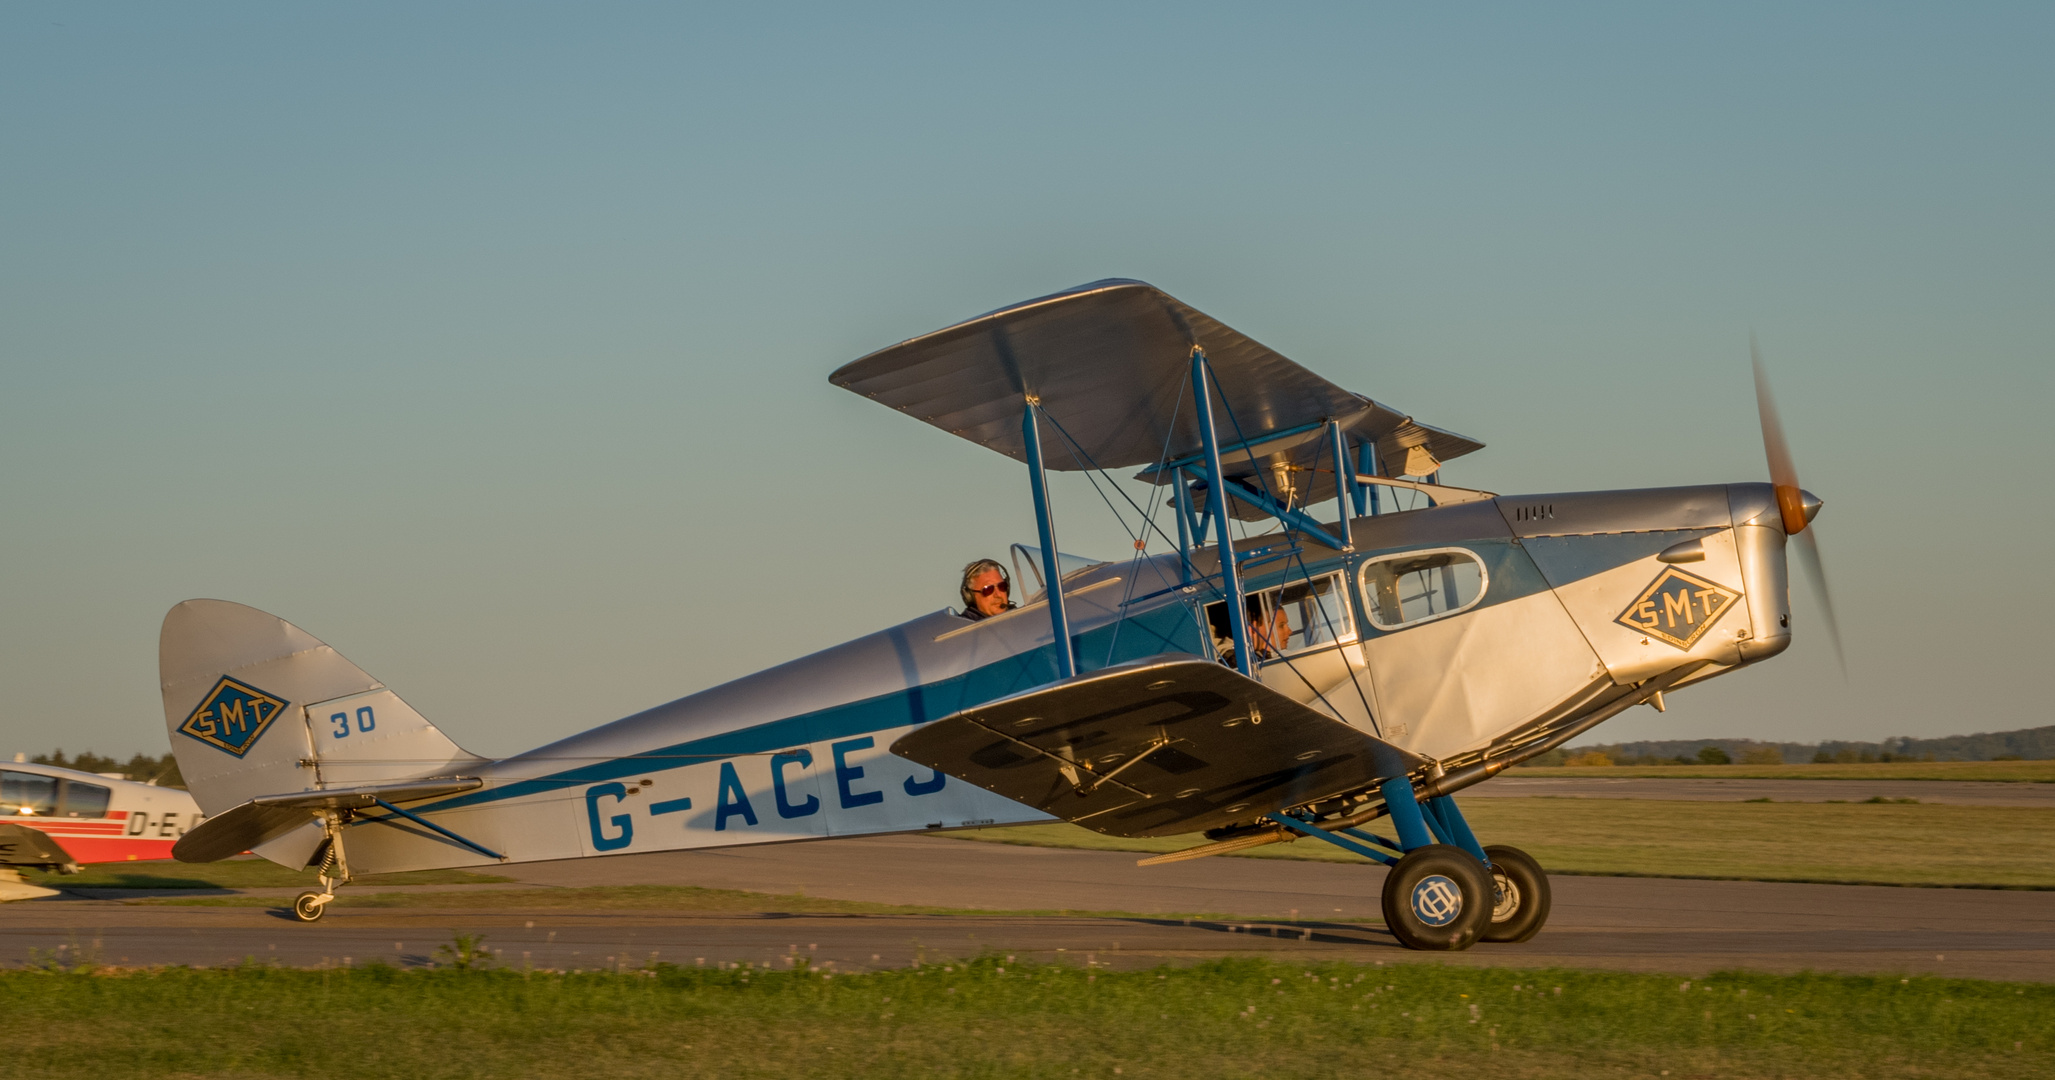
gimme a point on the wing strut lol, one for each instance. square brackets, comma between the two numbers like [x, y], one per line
[1216, 498]
[1344, 485]
[1045, 524]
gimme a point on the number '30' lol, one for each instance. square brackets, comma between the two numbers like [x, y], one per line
[365, 722]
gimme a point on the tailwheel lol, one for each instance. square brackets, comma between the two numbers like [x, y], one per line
[1437, 898]
[309, 905]
[1520, 893]
[334, 868]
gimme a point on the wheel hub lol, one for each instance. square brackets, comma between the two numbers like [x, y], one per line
[1437, 900]
[1505, 898]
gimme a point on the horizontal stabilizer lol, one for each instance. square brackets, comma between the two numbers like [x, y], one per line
[268, 817]
[1172, 744]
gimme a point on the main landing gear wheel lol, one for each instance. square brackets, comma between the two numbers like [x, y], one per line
[1521, 895]
[309, 905]
[1437, 898]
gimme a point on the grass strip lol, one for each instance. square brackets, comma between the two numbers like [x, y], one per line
[677, 899]
[1839, 843]
[994, 1018]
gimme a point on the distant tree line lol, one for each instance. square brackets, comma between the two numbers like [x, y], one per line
[2026, 744]
[141, 768]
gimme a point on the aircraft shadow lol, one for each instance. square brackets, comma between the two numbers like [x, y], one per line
[1328, 933]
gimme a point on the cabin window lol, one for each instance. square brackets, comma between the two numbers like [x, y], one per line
[1422, 585]
[84, 800]
[25, 793]
[1287, 619]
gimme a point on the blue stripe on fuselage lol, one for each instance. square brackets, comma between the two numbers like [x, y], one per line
[1169, 628]
[1512, 575]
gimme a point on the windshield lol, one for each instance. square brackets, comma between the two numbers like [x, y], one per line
[1027, 569]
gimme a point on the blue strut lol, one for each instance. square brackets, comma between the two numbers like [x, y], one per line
[427, 824]
[1059, 620]
[1404, 808]
[1448, 824]
[1419, 825]
[1216, 497]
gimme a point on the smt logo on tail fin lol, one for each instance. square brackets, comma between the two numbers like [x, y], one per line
[233, 716]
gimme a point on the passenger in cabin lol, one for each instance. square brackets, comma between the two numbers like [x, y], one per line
[1269, 634]
[986, 592]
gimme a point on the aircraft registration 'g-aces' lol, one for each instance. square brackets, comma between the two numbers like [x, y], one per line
[1358, 661]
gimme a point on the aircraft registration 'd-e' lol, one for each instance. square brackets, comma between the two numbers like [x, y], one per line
[1338, 669]
[59, 819]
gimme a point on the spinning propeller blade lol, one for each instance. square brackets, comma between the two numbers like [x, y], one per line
[1794, 504]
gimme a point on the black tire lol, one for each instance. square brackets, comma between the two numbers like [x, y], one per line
[308, 906]
[1437, 898]
[1520, 895]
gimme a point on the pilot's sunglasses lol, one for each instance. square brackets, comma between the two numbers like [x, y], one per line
[997, 587]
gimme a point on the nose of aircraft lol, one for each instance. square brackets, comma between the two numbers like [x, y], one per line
[1810, 504]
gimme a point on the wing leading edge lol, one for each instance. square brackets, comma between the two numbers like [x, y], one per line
[1168, 745]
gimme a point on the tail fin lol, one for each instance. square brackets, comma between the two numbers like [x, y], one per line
[257, 706]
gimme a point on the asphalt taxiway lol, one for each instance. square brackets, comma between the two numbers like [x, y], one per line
[1177, 913]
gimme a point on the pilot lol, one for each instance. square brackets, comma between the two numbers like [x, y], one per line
[986, 592]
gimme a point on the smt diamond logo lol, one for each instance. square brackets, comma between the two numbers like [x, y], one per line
[233, 716]
[1677, 608]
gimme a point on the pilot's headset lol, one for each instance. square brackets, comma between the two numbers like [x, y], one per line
[970, 597]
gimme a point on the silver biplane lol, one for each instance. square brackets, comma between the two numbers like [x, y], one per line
[1347, 670]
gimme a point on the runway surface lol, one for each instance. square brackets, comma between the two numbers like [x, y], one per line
[1289, 909]
[1960, 792]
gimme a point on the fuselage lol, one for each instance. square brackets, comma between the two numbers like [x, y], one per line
[95, 818]
[1455, 631]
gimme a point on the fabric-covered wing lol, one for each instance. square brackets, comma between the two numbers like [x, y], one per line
[1172, 744]
[1110, 362]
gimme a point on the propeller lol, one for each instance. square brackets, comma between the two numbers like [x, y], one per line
[1794, 504]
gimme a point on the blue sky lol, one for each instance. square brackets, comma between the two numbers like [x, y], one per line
[489, 342]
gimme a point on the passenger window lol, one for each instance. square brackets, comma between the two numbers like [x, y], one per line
[1420, 586]
[1317, 611]
[28, 794]
[84, 800]
[1287, 619]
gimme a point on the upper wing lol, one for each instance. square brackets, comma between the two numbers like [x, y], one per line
[1172, 744]
[1110, 362]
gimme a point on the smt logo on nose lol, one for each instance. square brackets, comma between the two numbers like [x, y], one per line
[232, 716]
[1677, 608]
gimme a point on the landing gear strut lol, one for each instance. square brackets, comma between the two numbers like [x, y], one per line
[1442, 896]
[335, 869]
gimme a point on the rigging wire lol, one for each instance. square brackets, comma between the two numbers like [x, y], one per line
[1087, 464]
[1148, 519]
[1299, 558]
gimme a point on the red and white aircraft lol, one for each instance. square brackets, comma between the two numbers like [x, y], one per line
[91, 818]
